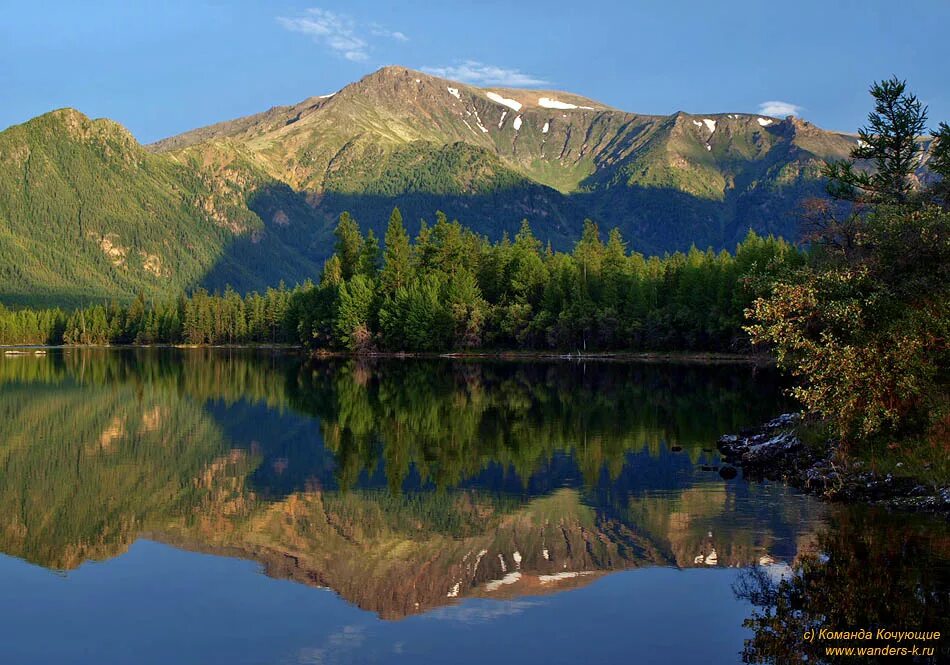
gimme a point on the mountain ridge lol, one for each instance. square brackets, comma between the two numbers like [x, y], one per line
[252, 200]
[565, 142]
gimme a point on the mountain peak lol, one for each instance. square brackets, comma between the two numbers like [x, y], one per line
[399, 79]
[73, 124]
[391, 78]
[70, 119]
[393, 71]
[67, 114]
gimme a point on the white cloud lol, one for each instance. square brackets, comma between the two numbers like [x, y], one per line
[378, 30]
[779, 109]
[478, 73]
[338, 32]
[481, 611]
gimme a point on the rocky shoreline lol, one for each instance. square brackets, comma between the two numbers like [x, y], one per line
[775, 452]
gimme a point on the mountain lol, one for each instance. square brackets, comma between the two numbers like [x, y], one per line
[88, 213]
[494, 156]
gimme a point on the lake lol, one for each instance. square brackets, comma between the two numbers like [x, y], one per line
[237, 506]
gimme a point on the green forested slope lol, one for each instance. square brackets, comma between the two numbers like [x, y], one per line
[87, 213]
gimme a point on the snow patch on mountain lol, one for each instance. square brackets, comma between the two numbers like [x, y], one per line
[478, 121]
[549, 103]
[710, 124]
[510, 578]
[765, 122]
[479, 558]
[566, 575]
[517, 123]
[454, 92]
[502, 121]
[510, 103]
[544, 130]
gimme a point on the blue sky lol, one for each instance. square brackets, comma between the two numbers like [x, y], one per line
[162, 68]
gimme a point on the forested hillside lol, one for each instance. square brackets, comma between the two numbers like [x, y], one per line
[86, 214]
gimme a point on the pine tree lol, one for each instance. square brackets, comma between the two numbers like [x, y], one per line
[134, 319]
[940, 152]
[940, 164]
[349, 245]
[370, 256]
[332, 272]
[614, 271]
[464, 300]
[351, 327]
[589, 252]
[863, 324]
[890, 142]
[193, 330]
[397, 262]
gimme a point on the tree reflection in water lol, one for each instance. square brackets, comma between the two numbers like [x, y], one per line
[865, 570]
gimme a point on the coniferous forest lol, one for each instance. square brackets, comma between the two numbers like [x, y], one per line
[450, 289]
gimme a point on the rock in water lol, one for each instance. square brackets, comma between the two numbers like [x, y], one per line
[728, 472]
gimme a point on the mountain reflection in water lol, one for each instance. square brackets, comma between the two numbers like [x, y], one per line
[399, 484]
[402, 485]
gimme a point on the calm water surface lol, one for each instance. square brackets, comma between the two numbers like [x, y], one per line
[248, 507]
